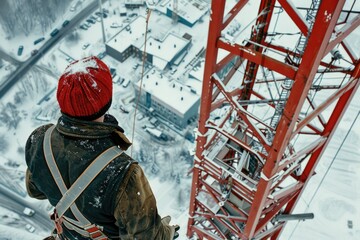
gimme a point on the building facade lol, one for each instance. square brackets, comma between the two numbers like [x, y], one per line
[170, 101]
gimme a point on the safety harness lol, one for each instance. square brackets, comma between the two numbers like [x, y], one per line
[81, 225]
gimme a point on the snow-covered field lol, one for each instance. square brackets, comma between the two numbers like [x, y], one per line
[24, 108]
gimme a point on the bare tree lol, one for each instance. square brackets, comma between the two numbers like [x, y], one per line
[19, 97]
[25, 15]
[4, 144]
[13, 113]
[6, 118]
[7, 20]
[34, 83]
[73, 36]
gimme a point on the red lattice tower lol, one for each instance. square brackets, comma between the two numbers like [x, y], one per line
[268, 111]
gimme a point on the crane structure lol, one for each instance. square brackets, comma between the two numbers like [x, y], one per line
[269, 108]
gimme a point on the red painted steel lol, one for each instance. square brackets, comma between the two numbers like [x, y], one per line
[262, 116]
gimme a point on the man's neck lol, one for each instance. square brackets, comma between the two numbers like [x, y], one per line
[100, 119]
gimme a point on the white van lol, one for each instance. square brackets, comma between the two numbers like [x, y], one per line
[28, 211]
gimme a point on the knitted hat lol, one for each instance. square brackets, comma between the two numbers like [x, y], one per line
[85, 89]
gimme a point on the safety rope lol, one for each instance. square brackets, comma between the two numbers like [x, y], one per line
[148, 13]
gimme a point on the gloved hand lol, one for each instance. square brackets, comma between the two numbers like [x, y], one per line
[174, 228]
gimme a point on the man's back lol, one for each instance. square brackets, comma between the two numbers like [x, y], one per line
[75, 146]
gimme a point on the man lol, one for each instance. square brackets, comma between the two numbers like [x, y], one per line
[119, 200]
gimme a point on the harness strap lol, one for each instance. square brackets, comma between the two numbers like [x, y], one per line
[86, 178]
[71, 194]
[50, 160]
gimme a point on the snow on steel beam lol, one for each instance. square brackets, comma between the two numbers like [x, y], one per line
[286, 191]
[233, 12]
[225, 218]
[241, 188]
[308, 149]
[230, 74]
[237, 141]
[243, 113]
[342, 33]
[329, 130]
[351, 84]
[330, 67]
[310, 126]
[233, 218]
[213, 137]
[281, 49]
[216, 18]
[272, 212]
[295, 15]
[222, 101]
[258, 35]
[268, 233]
[325, 22]
[259, 58]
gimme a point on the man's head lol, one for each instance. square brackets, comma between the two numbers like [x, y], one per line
[85, 89]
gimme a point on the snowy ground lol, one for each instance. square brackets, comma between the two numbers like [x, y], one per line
[334, 204]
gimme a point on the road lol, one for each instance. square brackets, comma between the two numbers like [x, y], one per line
[15, 203]
[25, 66]
[8, 58]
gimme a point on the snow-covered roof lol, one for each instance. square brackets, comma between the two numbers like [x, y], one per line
[136, 2]
[175, 95]
[198, 72]
[133, 34]
[190, 10]
[153, 131]
[165, 49]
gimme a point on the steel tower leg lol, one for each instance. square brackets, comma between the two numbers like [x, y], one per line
[248, 169]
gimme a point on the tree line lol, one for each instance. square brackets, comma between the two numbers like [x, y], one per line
[23, 16]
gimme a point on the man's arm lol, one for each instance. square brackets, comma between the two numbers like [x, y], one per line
[136, 210]
[31, 188]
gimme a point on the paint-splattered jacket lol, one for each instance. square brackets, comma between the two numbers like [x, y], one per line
[119, 198]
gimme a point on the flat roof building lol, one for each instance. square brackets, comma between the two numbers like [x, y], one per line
[164, 52]
[122, 45]
[134, 3]
[159, 52]
[188, 12]
[172, 101]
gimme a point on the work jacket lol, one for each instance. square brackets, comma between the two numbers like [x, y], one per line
[119, 199]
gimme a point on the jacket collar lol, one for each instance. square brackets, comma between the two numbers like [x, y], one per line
[87, 129]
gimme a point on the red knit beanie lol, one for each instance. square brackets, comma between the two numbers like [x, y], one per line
[85, 89]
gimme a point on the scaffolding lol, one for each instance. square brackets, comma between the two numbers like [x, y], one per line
[280, 106]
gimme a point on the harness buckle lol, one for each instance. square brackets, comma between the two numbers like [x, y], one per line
[57, 221]
[95, 232]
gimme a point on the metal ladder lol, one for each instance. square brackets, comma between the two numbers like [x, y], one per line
[299, 50]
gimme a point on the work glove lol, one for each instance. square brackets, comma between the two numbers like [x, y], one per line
[174, 228]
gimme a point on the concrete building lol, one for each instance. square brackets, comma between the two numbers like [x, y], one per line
[123, 44]
[188, 12]
[161, 53]
[171, 101]
[134, 3]
[198, 70]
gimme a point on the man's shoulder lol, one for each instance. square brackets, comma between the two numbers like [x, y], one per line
[121, 163]
[38, 133]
